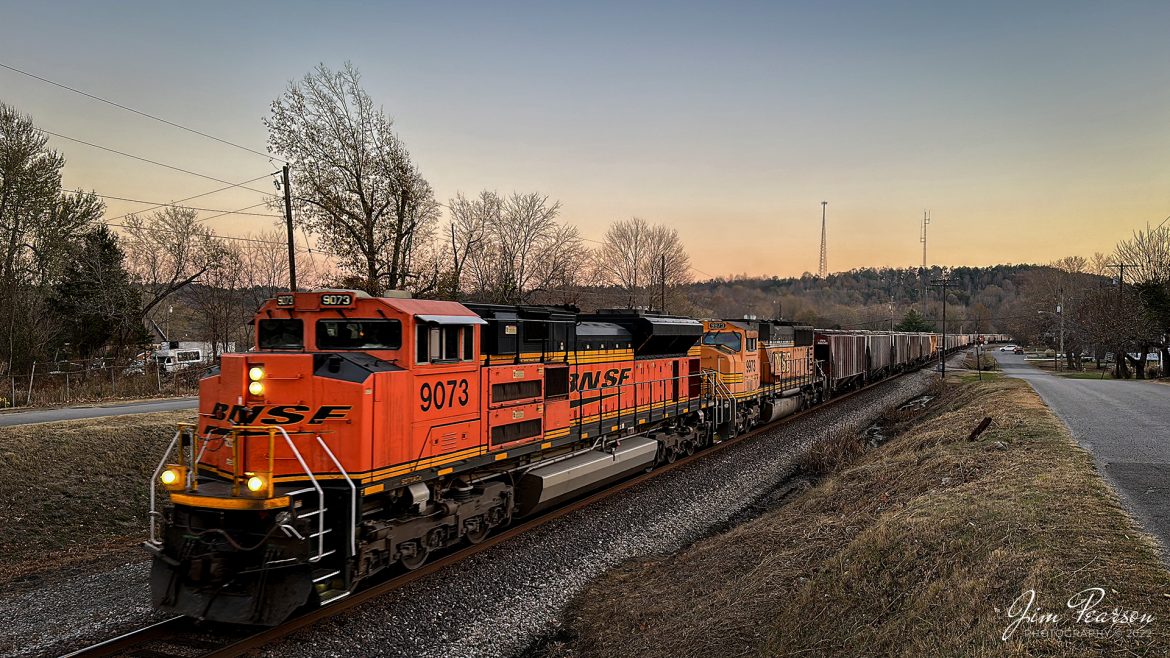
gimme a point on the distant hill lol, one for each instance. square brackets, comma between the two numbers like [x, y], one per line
[865, 298]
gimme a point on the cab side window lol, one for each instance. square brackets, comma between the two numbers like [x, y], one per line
[448, 343]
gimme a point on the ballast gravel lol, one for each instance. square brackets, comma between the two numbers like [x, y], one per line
[494, 604]
[68, 610]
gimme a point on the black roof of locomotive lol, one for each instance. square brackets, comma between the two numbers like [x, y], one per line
[655, 334]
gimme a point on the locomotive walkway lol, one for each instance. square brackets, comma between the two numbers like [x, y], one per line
[1124, 424]
[75, 413]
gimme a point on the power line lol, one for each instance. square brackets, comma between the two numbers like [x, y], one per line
[215, 236]
[215, 191]
[146, 160]
[139, 112]
[240, 212]
[159, 204]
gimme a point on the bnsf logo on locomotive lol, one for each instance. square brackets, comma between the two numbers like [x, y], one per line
[597, 379]
[286, 414]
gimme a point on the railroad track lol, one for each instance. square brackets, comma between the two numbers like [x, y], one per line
[181, 637]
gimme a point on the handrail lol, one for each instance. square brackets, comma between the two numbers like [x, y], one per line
[352, 500]
[320, 494]
[154, 514]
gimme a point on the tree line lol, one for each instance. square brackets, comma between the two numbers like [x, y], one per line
[1115, 304]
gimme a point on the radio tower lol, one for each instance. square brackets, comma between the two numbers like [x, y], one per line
[824, 269]
[922, 295]
[925, 223]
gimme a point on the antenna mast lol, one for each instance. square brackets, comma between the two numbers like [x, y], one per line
[823, 271]
[922, 239]
[925, 223]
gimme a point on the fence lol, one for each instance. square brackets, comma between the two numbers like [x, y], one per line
[94, 380]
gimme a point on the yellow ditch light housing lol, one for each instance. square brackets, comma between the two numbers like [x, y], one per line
[256, 373]
[257, 485]
[174, 477]
[256, 388]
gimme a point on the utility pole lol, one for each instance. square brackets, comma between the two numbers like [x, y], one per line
[663, 284]
[978, 359]
[942, 349]
[1119, 359]
[823, 270]
[1060, 312]
[288, 219]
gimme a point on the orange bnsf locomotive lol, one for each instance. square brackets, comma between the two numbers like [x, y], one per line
[362, 434]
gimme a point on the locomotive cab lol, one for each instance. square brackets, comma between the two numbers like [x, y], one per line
[731, 351]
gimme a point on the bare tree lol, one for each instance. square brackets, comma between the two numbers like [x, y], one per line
[263, 265]
[1146, 255]
[167, 251]
[559, 265]
[504, 249]
[632, 258]
[1072, 264]
[1147, 258]
[469, 229]
[1098, 264]
[221, 301]
[355, 185]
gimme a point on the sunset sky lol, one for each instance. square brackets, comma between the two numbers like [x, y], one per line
[1030, 130]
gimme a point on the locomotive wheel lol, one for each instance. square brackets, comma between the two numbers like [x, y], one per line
[690, 448]
[478, 535]
[671, 455]
[416, 560]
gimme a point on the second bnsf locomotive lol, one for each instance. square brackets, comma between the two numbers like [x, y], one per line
[363, 434]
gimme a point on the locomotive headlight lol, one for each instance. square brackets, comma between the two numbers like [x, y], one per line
[255, 483]
[173, 477]
[256, 373]
[256, 388]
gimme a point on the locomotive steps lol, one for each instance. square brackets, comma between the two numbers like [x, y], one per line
[917, 547]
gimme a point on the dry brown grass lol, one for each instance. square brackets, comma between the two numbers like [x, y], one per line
[985, 362]
[916, 549]
[76, 490]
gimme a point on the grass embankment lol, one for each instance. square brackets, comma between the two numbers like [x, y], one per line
[984, 362]
[76, 490]
[916, 548]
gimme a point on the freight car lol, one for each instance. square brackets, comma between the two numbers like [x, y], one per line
[363, 434]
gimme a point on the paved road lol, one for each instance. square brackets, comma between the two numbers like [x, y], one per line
[73, 413]
[1124, 424]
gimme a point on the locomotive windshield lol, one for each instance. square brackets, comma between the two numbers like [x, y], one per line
[281, 334]
[728, 340]
[359, 334]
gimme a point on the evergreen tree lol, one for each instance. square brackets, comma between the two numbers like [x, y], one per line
[914, 322]
[95, 303]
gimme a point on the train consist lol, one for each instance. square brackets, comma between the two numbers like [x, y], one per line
[363, 434]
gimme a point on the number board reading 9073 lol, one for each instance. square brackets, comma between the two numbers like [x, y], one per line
[334, 299]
